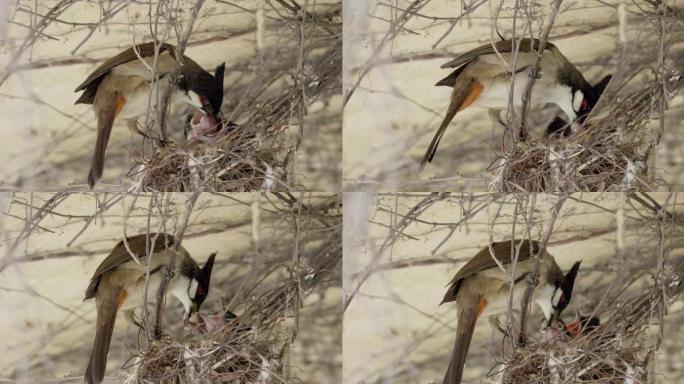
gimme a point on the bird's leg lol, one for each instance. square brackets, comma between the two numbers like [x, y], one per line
[168, 275]
[132, 125]
[531, 72]
[495, 116]
[532, 281]
[130, 317]
[495, 323]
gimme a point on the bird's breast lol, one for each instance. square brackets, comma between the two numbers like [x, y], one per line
[145, 97]
[496, 79]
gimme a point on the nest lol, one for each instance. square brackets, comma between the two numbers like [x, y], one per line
[240, 161]
[258, 153]
[235, 353]
[613, 153]
[254, 345]
[620, 350]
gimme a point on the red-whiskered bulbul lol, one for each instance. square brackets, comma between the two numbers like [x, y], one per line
[482, 288]
[123, 88]
[481, 79]
[119, 283]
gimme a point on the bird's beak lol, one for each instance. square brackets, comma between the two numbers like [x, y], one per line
[191, 317]
[576, 127]
[551, 319]
[555, 317]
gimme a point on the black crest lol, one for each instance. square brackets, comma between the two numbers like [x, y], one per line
[219, 74]
[595, 93]
[568, 286]
[204, 84]
[203, 280]
[601, 86]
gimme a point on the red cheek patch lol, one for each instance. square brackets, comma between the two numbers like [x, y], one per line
[585, 104]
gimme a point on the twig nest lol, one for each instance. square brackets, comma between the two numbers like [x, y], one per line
[238, 161]
[595, 160]
[237, 352]
[599, 357]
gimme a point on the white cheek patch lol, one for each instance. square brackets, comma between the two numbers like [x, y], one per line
[577, 99]
[556, 297]
[193, 289]
[543, 297]
[194, 100]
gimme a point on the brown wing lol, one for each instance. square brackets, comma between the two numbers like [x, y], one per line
[145, 50]
[483, 261]
[501, 46]
[119, 255]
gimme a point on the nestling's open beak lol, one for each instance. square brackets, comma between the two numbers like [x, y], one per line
[204, 124]
[583, 325]
[573, 329]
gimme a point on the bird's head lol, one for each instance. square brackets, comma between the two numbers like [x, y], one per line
[199, 286]
[584, 100]
[205, 93]
[563, 292]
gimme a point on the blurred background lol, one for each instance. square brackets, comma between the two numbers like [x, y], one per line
[393, 53]
[50, 244]
[402, 250]
[49, 47]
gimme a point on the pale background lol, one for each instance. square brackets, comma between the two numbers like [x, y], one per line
[393, 114]
[48, 141]
[47, 330]
[395, 331]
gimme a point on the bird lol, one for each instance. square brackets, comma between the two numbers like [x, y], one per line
[481, 79]
[558, 128]
[123, 87]
[119, 283]
[481, 288]
[581, 326]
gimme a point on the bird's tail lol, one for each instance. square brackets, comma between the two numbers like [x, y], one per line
[106, 315]
[467, 318]
[110, 105]
[459, 100]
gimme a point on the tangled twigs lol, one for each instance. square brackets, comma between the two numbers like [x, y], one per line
[612, 154]
[254, 347]
[616, 151]
[260, 152]
[619, 351]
